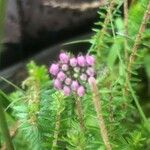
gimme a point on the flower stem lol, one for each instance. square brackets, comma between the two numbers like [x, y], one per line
[138, 39]
[104, 28]
[126, 28]
[56, 132]
[4, 129]
[134, 49]
[79, 112]
[98, 109]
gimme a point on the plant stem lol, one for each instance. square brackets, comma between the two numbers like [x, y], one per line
[138, 40]
[107, 18]
[106, 22]
[56, 132]
[98, 109]
[126, 28]
[79, 112]
[4, 129]
[111, 115]
[131, 58]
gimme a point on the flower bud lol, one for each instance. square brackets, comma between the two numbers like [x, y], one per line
[81, 61]
[90, 60]
[66, 90]
[75, 75]
[76, 69]
[83, 77]
[57, 84]
[64, 58]
[90, 72]
[61, 76]
[54, 68]
[74, 85]
[73, 62]
[68, 81]
[64, 67]
[81, 91]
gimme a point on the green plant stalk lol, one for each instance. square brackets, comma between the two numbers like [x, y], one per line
[56, 132]
[106, 22]
[131, 58]
[79, 112]
[138, 40]
[107, 19]
[98, 109]
[4, 129]
[57, 122]
[126, 29]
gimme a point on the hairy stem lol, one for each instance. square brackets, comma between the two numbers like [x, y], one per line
[79, 112]
[133, 54]
[56, 132]
[138, 40]
[126, 28]
[106, 22]
[4, 129]
[111, 115]
[98, 109]
[107, 18]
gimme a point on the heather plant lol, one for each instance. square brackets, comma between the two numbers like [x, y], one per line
[71, 74]
[90, 101]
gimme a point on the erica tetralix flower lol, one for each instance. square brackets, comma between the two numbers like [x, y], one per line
[54, 69]
[71, 74]
[64, 58]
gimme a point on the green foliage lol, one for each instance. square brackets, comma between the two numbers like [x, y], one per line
[48, 120]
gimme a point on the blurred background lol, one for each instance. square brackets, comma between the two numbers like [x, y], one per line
[37, 29]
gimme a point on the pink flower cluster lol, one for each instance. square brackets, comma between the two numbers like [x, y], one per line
[71, 73]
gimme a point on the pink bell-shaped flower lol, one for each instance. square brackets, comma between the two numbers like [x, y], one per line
[74, 85]
[90, 71]
[90, 60]
[64, 58]
[61, 76]
[83, 77]
[54, 68]
[67, 81]
[73, 62]
[81, 61]
[80, 91]
[66, 90]
[57, 84]
[64, 67]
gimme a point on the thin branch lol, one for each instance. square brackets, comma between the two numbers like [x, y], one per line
[132, 57]
[104, 27]
[138, 40]
[56, 131]
[136, 45]
[111, 115]
[126, 28]
[57, 123]
[107, 18]
[98, 109]
[79, 112]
